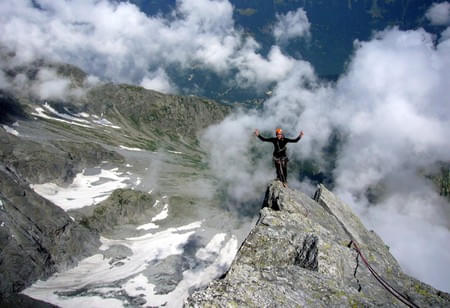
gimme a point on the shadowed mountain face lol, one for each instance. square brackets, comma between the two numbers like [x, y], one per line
[36, 237]
[10, 108]
[298, 255]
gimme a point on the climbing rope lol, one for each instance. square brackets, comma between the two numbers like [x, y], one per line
[380, 279]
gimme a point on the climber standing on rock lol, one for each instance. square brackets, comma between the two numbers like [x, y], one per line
[280, 158]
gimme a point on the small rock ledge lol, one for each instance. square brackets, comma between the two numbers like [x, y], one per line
[297, 255]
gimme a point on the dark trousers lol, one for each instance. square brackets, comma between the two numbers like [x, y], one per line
[281, 167]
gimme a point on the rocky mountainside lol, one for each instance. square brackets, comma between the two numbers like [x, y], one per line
[36, 237]
[53, 140]
[298, 255]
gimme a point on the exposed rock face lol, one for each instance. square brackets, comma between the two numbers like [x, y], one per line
[297, 255]
[124, 206]
[36, 237]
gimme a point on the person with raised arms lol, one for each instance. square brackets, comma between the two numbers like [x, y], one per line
[280, 158]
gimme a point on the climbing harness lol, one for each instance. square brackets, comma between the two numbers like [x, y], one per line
[380, 279]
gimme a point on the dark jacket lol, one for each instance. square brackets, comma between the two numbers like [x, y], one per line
[279, 146]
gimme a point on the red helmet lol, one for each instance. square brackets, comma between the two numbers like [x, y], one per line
[278, 131]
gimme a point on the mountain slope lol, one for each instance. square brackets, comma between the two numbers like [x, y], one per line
[53, 141]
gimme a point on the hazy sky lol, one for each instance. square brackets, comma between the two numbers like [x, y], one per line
[392, 103]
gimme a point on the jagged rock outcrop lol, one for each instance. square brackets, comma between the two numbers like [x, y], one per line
[297, 255]
[37, 238]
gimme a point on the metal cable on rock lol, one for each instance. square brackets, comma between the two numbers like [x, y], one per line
[380, 279]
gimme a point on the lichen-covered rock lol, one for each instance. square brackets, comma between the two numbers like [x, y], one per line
[297, 255]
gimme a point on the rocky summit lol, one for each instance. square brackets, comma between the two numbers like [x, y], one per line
[299, 255]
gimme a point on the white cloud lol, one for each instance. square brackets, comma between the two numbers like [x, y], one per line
[116, 41]
[49, 85]
[158, 81]
[392, 104]
[46, 84]
[255, 69]
[229, 144]
[439, 13]
[292, 25]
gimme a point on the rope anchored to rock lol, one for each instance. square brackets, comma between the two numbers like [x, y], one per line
[380, 279]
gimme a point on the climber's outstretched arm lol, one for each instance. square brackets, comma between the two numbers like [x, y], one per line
[261, 137]
[296, 139]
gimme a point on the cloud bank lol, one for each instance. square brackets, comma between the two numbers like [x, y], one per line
[41, 81]
[117, 41]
